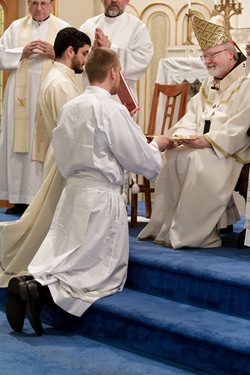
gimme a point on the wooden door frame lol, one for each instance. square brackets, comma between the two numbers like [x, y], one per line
[10, 11]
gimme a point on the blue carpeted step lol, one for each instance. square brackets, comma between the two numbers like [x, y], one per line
[202, 339]
[217, 279]
[174, 319]
[200, 283]
[66, 353]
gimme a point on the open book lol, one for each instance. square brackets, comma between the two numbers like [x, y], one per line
[125, 95]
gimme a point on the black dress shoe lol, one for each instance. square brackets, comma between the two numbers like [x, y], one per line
[241, 239]
[34, 303]
[228, 229]
[17, 209]
[15, 306]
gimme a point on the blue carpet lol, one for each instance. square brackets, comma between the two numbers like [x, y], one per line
[182, 312]
[4, 217]
[67, 353]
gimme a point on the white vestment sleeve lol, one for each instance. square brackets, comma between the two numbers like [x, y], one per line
[9, 55]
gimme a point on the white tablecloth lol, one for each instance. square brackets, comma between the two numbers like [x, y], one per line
[179, 69]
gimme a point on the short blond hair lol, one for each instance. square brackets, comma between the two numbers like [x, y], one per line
[99, 61]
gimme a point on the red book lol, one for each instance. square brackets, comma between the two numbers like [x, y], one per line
[125, 94]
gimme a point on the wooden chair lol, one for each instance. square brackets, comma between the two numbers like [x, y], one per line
[175, 97]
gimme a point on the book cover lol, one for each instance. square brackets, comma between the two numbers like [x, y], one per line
[125, 94]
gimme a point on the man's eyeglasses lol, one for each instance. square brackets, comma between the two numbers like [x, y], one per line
[43, 4]
[211, 56]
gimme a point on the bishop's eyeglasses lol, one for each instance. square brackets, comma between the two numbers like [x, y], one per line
[211, 56]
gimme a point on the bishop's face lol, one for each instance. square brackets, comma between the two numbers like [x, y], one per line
[40, 9]
[218, 60]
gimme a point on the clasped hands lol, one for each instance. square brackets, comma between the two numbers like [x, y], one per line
[101, 40]
[38, 47]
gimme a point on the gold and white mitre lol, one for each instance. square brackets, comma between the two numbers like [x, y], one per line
[211, 33]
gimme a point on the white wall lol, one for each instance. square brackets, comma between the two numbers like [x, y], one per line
[77, 11]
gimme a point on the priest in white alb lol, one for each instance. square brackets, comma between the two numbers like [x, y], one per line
[26, 48]
[124, 33]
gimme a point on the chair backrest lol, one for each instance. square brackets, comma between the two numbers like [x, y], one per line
[173, 105]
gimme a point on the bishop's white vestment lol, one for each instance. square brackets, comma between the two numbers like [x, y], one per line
[195, 185]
